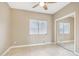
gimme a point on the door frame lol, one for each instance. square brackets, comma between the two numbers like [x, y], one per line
[68, 15]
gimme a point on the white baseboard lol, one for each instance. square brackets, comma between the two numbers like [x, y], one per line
[65, 41]
[20, 46]
[6, 51]
[17, 46]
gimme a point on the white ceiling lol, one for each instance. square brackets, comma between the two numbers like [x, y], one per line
[52, 8]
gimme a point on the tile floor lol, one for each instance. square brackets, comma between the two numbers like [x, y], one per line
[42, 50]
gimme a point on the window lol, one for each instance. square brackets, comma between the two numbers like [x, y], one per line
[38, 27]
[64, 28]
[33, 27]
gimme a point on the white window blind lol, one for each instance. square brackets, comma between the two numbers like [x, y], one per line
[37, 27]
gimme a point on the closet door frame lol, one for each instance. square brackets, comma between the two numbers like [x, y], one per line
[63, 17]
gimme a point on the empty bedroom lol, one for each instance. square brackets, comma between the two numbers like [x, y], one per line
[39, 28]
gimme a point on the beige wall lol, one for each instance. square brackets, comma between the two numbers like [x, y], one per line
[5, 40]
[77, 25]
[66, 37]
[72, 7]
[20, 28]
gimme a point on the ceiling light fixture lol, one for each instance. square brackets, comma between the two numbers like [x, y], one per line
[41, 4]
